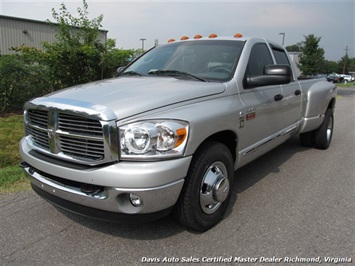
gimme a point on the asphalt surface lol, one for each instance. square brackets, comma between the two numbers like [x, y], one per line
[292, 205]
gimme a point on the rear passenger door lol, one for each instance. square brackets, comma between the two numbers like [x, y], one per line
[290, 105]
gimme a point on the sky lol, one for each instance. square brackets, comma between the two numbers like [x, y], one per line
[130, 21]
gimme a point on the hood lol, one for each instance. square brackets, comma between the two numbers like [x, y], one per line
[122, 97]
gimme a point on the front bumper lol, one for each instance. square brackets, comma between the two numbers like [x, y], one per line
[157, 184]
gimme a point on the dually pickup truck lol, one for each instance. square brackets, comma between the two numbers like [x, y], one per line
[167, 134]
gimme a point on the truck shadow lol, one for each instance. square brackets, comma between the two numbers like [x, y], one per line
[245, 178]
[252, 173]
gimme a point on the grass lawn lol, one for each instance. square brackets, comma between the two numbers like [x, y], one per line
[346, 85]
[11, 177]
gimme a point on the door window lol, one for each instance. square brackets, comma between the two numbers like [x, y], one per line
[259, 57]
[280, 56]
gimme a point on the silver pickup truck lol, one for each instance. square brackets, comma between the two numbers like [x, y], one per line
[167, 134]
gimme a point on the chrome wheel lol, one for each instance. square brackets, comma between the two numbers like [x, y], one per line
[324, 134]
[207, 188]
[214, 187]
[330, 129]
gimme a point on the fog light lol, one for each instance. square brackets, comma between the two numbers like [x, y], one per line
[135, 200]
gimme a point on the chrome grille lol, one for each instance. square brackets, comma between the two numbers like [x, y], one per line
[65, 135]
[82, 148]
[36, 126]
[79, 125]
[39, 136]
[38, 118]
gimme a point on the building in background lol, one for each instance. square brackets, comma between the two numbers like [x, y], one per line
[15, 32]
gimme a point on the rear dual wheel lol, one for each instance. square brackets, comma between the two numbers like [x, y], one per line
[321, 137]
[207, 188]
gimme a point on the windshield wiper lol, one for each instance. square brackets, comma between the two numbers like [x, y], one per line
[174, 73]
[130, 73]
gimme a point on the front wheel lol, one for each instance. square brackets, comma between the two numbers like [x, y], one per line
[207, 188]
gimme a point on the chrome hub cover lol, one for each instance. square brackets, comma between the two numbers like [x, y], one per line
[214, 187]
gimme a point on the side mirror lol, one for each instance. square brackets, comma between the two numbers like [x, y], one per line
[273, 75]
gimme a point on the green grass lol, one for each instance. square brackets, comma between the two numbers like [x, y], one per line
[12, 179]
[11, 176]
[346, 85]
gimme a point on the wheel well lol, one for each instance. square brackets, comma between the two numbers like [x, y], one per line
[228, 138]
[331, 104]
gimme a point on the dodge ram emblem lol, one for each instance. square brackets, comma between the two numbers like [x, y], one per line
[50, 133]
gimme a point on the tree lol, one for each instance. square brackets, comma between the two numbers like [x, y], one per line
[329, 67]
[22, 77]
[294, 48]
[352, 64]
[344, 64]
[76, 55]
[312, 57]
[114, 58]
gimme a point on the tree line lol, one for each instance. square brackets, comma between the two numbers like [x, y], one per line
[312, 59]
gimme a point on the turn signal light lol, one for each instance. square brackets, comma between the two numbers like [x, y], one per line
[181, 136]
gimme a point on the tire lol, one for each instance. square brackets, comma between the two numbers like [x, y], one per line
[207, 189]
[323, 135]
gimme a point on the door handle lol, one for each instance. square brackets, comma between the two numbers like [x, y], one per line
[298, 92]
[278, 97]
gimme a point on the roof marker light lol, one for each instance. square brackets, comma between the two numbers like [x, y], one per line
[171, 40]
[212, 35]
[197, 36]
[184, 38]
[238, 35]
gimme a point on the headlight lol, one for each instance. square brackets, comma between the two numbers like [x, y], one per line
[154, 139]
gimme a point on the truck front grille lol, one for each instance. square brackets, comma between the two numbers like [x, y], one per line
[79, 125]
[37, 127]
[82, 148]
[65, 135]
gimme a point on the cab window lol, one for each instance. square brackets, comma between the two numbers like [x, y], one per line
[259, 57]
[280, 56]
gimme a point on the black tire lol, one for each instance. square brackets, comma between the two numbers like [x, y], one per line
[323, 135]
[206, 192]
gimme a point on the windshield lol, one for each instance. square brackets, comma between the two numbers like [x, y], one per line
[212, 60]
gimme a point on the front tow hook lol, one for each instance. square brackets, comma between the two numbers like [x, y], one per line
[25, 165]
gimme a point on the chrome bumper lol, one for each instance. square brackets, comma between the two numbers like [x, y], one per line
[156, 184]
